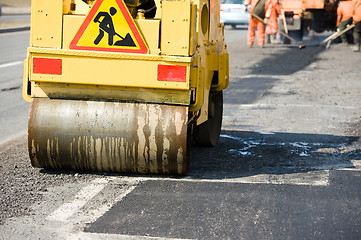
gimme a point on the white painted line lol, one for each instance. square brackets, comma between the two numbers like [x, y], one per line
[356, 166]
[11, 64]
[101, 236]
[91, 216]
[68, 209]
[254, 106]
[83, 209]
[316, 178]
[356, 163]
[311, 178]
[258, 76]
[264, 133]
[102, 209]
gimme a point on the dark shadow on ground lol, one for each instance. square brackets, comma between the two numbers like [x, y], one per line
[288, 61]
[243, 153]
[247, 90]
[240, 154]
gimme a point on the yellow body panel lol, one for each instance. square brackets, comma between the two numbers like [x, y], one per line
[223, 73]
[148, 28]
[202, 22]
[108, 72]
[46, 23]
[71, 25]
[86, 92]
[26, 83]
[176, 28]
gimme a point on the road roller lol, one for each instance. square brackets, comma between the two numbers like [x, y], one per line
[125, 86]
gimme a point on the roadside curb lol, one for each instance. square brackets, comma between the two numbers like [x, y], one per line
[18, 29]
[6, 11]
[15, 11]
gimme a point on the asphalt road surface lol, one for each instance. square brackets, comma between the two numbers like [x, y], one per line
[287, 166]
[14, 110]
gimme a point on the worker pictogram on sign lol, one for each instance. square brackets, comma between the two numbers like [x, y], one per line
[109, 27]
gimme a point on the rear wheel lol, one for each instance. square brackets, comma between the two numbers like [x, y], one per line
[207, 134]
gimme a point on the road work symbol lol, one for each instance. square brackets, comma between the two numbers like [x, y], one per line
[106, 25]
[109, 27]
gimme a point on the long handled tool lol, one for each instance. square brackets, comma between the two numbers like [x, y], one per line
[258, 17]
[284, 21]
[300, 46]
[335, 35]
[285, 26]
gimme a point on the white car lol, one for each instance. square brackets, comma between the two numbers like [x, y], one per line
[234, 13]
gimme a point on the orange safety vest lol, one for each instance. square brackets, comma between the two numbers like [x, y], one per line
[357, 11]
[344, 11]
[272, 24]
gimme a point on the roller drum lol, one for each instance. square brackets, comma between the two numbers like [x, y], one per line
[108, 136]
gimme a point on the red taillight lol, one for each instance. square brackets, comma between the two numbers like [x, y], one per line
[220, 8]
[47, 66]
[172, 73]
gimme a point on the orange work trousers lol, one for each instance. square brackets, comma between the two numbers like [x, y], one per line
[255, 24]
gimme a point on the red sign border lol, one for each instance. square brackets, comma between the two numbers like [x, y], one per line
[143, 47]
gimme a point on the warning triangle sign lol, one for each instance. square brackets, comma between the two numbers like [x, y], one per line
[109, 27]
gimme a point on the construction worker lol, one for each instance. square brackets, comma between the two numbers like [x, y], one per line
[344, 18]
[259, 14]
[272, 25]
[356, 18]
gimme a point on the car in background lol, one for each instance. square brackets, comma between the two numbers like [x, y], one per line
[233, 13]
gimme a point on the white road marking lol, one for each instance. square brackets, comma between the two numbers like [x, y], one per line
[265, 106]
[258, 76]
[356, 163]
[66, 213]
[356, 166]
[264, 133]
[11, 64]
[102, 209]
[311, 178]
[315, 178]
[71, 214]
[68, 209]
[96, 236]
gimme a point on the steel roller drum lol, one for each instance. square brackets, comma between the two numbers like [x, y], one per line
[108, 136]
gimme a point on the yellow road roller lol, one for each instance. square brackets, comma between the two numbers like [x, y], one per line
[124, 85]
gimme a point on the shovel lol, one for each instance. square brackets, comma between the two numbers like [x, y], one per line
[285, 27]
[335, 35]
[300, 45]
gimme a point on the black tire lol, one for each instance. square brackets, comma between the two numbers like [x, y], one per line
[207, 134]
